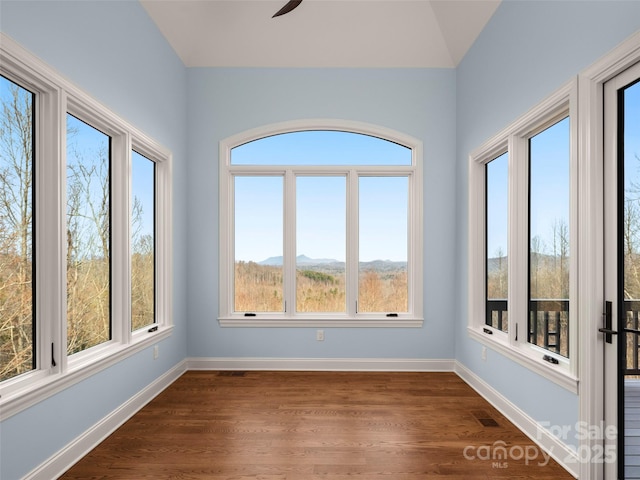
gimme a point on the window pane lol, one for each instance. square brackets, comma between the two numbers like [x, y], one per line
[258, 244]
[630, 103]
[549, 238]
[321, 147]
[17, 326]
[320, 244]
[142, 241]
[497, 224]
[88, 236]
[383, 229]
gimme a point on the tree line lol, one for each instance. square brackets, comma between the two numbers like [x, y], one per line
[259, 288]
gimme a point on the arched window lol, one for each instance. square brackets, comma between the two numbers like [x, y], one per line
[320, 223]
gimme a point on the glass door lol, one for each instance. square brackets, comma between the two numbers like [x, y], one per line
[621, 325]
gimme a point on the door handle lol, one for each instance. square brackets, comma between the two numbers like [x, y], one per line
[607, 330]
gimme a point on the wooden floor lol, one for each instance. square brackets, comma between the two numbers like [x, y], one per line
[317, 425]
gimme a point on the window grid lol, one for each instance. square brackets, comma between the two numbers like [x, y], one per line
[228, 316]
[514, 343]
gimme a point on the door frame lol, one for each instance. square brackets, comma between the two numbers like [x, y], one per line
[591, 239]
[614, 353]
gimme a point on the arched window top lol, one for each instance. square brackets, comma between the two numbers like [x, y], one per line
[321, 147]
[321, 143]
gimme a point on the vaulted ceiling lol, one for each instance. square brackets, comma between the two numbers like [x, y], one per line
[321, 33]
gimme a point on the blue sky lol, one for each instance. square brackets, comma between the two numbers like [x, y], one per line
[549, 182]
[549, 189]
[321, 201]
[632, 136]
[497, 205]
[88, 142]
[550, 177]
[143, 188]
[321, 148]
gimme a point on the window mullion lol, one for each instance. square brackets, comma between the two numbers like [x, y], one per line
[574, 167]
[289, 254]
[227, 250]
[518, 245]
[120, 248]
[352, 219]
[50, 220]
[163, 232]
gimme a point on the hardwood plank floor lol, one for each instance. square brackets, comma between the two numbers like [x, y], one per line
[316, 425]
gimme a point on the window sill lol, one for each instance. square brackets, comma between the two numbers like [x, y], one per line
[559, 374]
[39, 390]
[315, 322]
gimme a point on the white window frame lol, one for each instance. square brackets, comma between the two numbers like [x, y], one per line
[514, 140]
[413, 318]
[55, 96]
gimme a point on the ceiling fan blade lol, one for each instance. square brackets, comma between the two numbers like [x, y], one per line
[290, 5]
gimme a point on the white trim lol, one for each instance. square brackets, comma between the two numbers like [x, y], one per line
[315, 322]
[558, 450]
[321, 364]
[36, 392]
[554, 373]
[65, 458]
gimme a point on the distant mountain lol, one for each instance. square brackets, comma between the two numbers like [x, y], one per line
[304, 260]
[300, 260]
[383, 265]
[332, 264]
[494, 264]
[271, 261]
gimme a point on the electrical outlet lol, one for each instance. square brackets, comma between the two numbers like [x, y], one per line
[320, 335]
[484, 353]
[156, 351]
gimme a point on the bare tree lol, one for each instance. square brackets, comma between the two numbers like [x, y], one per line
[88, 241]
[16, 215]
[631, 234]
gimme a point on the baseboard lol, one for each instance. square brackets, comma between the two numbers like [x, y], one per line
[78, 448]
[74, 451]
[558, 450]
[321, 364]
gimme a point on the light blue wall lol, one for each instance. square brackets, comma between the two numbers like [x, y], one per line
[113, 51]
[418, 102]
[527, 51]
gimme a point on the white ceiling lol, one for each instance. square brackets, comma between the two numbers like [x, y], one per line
[321, 33]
